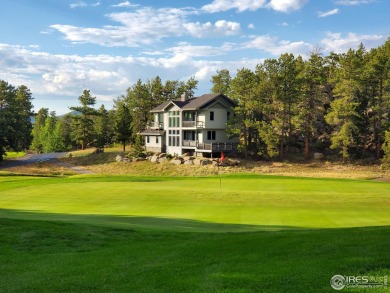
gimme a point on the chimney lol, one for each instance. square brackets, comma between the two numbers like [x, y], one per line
[183, 97]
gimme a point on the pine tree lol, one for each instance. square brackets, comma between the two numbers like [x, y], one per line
[83, 118]
[40, 118]
[221, 82]
[123, 121]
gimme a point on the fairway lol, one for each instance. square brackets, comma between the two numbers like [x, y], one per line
[240, 203]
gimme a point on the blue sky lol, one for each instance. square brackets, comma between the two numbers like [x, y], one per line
[59, 48]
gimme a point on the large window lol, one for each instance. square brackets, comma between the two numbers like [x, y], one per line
[211, 115]
[211, 135]
[174, 119]
[174, 138]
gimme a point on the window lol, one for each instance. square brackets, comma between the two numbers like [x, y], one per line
[157, 139]
[228, 115]
[211, 135]
[147, 139]
[211, 115]
[174, 138]
[174, 118]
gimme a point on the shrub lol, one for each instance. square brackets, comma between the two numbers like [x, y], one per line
[386, 150]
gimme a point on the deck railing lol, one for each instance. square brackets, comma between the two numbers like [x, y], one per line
[214, 147]
[190, 124]
[155, 125]
[189, 143]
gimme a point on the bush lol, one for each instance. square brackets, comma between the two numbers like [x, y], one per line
[386, 150]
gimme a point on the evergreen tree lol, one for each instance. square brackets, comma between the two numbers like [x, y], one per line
[123, 121]
[83, 118]
[244, 122]
[312, 100]
[40, 118]
[15, 118]
[102, 128]
[343, 115]
[288, 91]
[49, 141]
[221, 82]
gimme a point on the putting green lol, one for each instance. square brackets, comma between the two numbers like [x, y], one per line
[242, 203]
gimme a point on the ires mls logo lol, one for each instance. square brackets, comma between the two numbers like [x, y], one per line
[339, 282]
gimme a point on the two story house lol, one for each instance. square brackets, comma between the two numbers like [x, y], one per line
[191, 125]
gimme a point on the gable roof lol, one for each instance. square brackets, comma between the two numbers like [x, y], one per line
[192, 104]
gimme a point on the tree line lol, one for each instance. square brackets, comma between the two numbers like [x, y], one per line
[335, 104]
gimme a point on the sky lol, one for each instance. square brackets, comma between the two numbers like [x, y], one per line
[58, 48]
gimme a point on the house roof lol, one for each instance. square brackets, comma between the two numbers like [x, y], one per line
[191, 104]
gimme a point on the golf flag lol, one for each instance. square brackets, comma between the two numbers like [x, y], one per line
[222, 157]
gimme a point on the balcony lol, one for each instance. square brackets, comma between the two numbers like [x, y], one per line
[155, 125]
[193, 124]
[189, 143]
[210, 147]
[217, 146]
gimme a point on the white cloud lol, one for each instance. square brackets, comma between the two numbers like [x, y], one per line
[81, 4]
[146, 26]
[337, 43]
[277, 47]
[126, 4]
[200, 51]
[78, 5]
[353, 2]
[53, 77]
[286, 5]
[244, 5]
[239, 5]
[251, 26]
[220, 28]
[328, 13]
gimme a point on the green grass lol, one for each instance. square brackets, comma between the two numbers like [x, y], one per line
[61, 257]
[244, 203]
[14, 155]
[159, 234]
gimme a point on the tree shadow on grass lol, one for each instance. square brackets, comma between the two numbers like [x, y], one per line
[142, 222]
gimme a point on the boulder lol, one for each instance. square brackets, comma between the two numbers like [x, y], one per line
[176, 161]
[188, 162]
[119, 158]
[154, 159]
[126, 160]
[162, 155]
[162, 160]
[318, 156]
[138, 159]
[189, 158]
[197, 162]
[205, 162]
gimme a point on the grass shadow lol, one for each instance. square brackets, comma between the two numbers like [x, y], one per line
[142, 223]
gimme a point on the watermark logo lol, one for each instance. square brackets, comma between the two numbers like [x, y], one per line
[339, 282]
